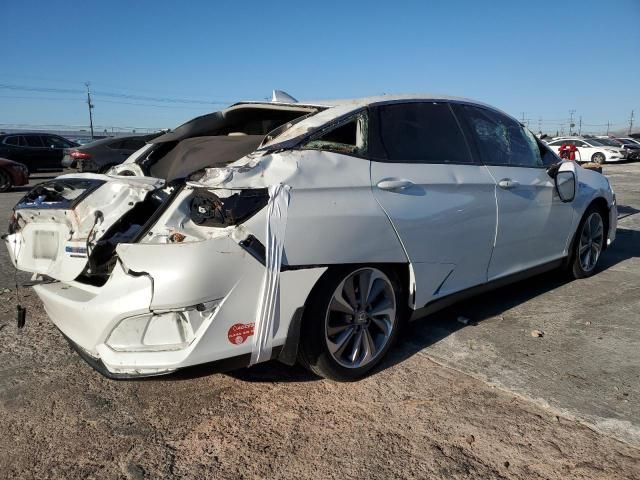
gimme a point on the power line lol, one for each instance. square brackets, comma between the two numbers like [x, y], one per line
[114, 95]
[116, 102]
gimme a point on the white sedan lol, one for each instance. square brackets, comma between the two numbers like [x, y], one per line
[590, 149]
[302, 232]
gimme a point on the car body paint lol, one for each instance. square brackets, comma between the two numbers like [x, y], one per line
[335, 216]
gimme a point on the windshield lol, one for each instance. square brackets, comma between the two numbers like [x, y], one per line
[609, 142]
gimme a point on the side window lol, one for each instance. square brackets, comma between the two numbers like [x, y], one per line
[33, 141]
[501, 140]
[55, 142]
[15, 141]
[348, 137]
[547, 152]
[421, 133]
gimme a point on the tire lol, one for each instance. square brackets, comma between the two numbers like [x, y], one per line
[105, 168]
[589, 241]
[598, 158]
[5, 181]
[342, 340]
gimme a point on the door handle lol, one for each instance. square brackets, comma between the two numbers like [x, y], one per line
[390, 184]
[507, 183]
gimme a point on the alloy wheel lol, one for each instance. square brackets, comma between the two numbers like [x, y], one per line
[360, 318]
[591, 240]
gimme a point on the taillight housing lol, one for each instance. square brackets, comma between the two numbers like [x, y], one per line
[228, 207]
[78, 155]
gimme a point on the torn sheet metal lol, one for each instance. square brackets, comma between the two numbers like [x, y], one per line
[59, 233]
[268, 313]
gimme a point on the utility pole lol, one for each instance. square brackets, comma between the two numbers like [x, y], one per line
[631, 122]
[540, 125]
[608, 125]
[90, 105]
[571, 124]
[580, 127]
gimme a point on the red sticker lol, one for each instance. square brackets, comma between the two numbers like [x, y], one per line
[239, 333]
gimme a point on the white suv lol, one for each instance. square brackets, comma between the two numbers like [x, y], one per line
[302, 231]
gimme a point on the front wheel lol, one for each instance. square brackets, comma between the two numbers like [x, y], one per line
[351, 320]
[588, 245]
[598, 158]
[5, 181]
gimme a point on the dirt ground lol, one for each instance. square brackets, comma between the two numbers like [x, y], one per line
[416, 419]
[438, 408]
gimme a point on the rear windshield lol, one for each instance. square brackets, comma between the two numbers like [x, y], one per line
[61, 193]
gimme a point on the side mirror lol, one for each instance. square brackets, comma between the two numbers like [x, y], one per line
[565, 182]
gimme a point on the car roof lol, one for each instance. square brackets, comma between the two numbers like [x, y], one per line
[334, 109]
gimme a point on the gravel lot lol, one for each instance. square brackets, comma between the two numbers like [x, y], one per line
[482, 400]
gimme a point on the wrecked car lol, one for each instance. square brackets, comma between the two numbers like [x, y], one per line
[302, 232]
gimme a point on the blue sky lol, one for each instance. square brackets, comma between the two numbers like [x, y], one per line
[517, 55]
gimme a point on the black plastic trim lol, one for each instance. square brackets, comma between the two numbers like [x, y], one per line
[440, 303]
[217, 366]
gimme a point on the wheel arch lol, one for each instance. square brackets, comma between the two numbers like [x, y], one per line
[601, 204]
[289, 352]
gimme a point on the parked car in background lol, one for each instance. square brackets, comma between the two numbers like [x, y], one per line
[12, 174]
[629, 141]
[101, 155]
[184, 260]
[633, 150]
[38, 151]
[590, 149]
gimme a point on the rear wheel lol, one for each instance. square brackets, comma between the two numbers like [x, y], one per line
[352, 318]
[588, 244]
[5, 181]
[598, 158]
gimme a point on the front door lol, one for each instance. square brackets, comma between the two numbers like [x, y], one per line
[533, 223]
[439, 200]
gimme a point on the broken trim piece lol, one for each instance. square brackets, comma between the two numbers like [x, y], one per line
[268, 312]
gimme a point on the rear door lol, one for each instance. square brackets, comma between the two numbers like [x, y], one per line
[439, 200]
[55, 146]
[35, 153]
[533, 223]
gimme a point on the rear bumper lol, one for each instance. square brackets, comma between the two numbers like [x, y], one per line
[217, 270]
[220, 366]
[69, 162]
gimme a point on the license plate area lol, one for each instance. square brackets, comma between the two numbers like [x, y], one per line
[45, 245]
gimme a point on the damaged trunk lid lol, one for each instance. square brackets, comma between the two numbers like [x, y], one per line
[57, 224]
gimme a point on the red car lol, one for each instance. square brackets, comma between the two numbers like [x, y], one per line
[12, 174]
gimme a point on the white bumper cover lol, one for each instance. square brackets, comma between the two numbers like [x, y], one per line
[165, 277]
